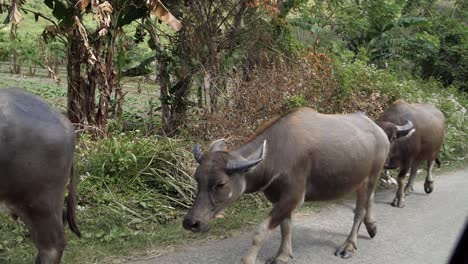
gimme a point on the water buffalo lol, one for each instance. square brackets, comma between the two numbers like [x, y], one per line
[424, 144]
[301, 156]
[36, 152]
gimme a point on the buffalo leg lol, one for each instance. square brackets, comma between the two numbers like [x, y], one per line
[429, 183]
[350, 245]
[47, 233]
[281, 211]
[369, 220]
[262, 232]
[399, 200]
[285, 250]
[413, 172]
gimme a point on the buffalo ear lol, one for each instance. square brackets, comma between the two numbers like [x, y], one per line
[218, 145]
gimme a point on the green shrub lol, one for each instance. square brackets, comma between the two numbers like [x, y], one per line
[295, 101]
[147, 177]
[359, 78]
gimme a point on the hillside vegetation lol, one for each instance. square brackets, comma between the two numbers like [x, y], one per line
[234, 65]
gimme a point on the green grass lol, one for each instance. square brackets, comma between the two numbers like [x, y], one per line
[110, 236]
[138, 99]
[131, 205]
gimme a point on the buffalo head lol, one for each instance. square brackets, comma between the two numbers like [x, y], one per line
[220, 179]
[398, 137]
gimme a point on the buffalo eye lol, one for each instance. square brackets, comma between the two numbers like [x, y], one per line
[220, 185]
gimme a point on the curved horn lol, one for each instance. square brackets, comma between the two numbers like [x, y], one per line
[197, 153]
[239, 165]
[406, 127]
[252, 160]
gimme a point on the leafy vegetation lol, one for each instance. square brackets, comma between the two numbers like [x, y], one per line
[232, 66]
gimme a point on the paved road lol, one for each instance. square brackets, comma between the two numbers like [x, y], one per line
[425, 231]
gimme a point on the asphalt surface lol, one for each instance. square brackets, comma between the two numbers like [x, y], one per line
[424, 231]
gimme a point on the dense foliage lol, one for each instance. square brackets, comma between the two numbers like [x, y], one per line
[233, 65]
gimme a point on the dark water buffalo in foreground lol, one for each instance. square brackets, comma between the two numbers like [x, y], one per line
[302, 156]
[424, 144]
[36, 152]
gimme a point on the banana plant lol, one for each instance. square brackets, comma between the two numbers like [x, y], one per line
[91, 48]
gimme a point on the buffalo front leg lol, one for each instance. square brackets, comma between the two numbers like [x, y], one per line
[262, 232]
[413, 172]
[281, 211]
[285, 250]
[350, 245]
[399, 200]
[429, 183]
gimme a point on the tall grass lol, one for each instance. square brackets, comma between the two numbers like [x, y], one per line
[146, 177]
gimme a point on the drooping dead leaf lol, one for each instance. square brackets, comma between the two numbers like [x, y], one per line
[54, 75]
[15, 16]
[163, 14]
[103, 13]
[220, 216]
[82, 4]
[84, 36]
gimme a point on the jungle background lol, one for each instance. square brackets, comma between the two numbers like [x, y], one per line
[142, 91]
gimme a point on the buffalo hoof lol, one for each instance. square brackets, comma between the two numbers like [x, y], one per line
[346, 250]
[408, 190]
[245, 260]
[398, 202]
[274, 260]
[371, 229]
[428, 186]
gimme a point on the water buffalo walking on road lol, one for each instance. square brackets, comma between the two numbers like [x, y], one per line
[424, 144]
[36, 153]
[301, 156]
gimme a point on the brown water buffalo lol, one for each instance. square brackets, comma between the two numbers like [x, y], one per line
[301, 156]
[36, 152]
[424, 144]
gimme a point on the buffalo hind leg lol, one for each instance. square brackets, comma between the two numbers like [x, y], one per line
[369, 220]
[429, 183]
[399, 200]
[347, 249]
[413, 172]
[285, 250]
[48, 235]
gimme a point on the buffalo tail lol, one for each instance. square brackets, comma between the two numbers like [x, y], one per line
[71, 204]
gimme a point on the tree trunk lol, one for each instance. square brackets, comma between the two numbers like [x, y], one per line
[164, 82]
[81, 92]
[14, 65]
[80, 99]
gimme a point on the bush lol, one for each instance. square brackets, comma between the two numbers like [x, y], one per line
[369, 89]
[147, 177]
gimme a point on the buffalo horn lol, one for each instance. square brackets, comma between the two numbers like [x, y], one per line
[406, 127]
[239, 165]
[197, 153]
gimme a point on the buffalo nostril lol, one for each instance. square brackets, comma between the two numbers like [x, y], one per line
[196, 226]
[191, 224]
